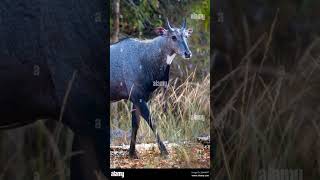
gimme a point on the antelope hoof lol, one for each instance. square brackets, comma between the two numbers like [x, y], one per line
[164, 154]
[133, 155]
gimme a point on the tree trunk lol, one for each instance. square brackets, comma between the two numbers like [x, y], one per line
[116, 22]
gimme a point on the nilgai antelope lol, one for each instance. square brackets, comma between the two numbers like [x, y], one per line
[44, 46]
[136, 67]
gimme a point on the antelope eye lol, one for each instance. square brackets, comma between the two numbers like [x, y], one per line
[174, 38]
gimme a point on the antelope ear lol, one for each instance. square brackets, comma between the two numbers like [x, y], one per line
[189, 32]
[160, 31]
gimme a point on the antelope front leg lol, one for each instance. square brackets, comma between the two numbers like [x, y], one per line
[135, 126]
[146, 115]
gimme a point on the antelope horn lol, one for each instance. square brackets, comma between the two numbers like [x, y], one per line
[184, 23]
[168, 24]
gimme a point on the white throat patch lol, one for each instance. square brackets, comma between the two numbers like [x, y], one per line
[170, 58]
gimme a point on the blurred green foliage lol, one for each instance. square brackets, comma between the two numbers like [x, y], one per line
[138, 18]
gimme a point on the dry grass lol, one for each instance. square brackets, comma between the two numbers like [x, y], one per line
[271, 117]
[187, 115]
[35, 153]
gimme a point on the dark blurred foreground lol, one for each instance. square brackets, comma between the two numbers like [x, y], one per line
[266, 65]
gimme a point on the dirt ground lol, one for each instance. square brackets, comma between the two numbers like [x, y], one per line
[184, 155]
